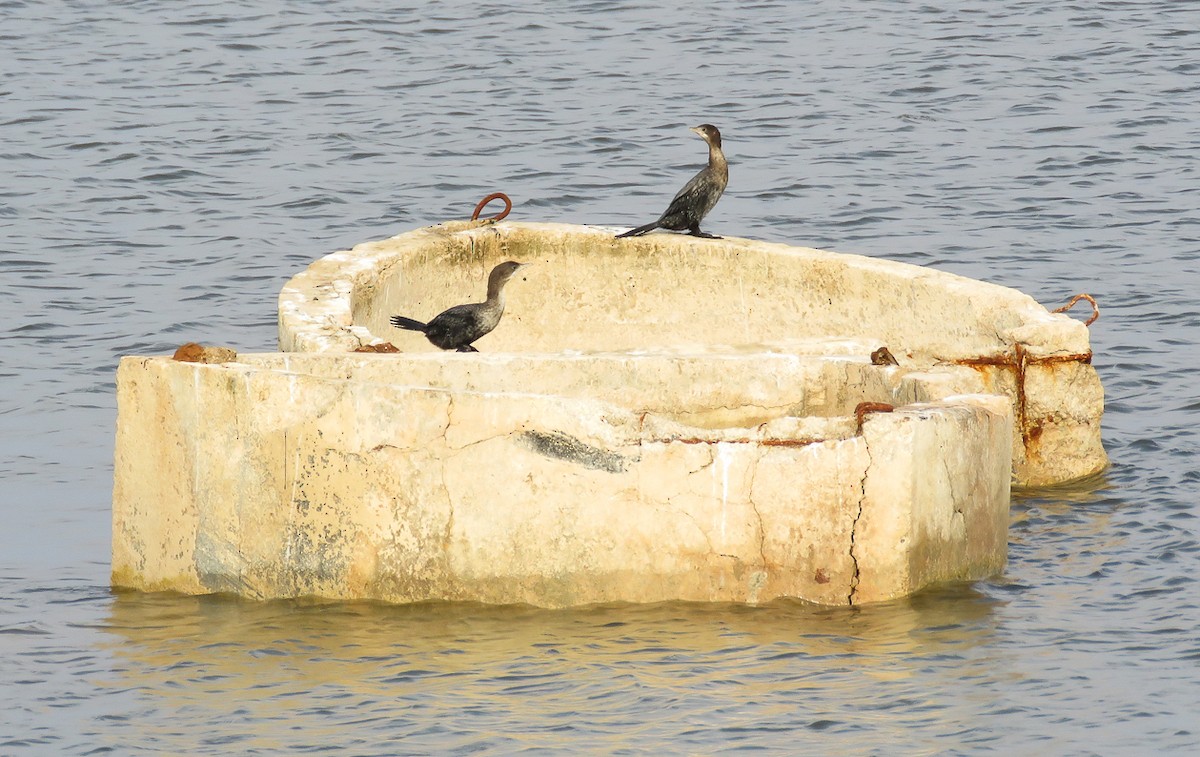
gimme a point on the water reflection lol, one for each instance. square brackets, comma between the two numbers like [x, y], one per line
[156, 627]
[293, 663]
[1083, 491]
[1085, 507]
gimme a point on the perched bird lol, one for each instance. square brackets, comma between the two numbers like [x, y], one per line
[458, 327]
[698, 196]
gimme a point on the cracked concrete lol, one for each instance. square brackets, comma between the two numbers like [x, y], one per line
[862, 486]
[762, 529]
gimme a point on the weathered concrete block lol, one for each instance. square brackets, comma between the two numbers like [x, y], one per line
[356, 484]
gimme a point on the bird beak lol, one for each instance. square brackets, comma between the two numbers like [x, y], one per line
[697, 130]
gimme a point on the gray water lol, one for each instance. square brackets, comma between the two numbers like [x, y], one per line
[166, 167]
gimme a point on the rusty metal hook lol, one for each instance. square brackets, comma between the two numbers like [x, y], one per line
[483, 204]
[1077, 298]
[863, 408]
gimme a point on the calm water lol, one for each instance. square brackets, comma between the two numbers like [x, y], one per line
[166, 167]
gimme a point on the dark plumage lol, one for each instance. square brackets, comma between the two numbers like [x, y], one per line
[459, 326]
[698, 196]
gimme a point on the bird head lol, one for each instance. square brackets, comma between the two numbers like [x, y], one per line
[709, 134]
[503, 272]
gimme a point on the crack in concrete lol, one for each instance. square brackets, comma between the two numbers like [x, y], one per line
[854, 526]
[446, 534]
[671, 503]
[712, 459]
[454, 451]
[746, 407]
[762, 526]
[449, 416]
[955, 502]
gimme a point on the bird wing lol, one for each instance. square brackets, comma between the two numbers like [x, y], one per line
[692, 202]
[455, 327]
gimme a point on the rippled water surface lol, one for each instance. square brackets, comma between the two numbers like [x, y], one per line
[167, 166]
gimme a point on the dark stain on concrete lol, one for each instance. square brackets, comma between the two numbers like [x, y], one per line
[562, 446]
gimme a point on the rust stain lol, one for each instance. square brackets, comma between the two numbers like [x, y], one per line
[1019, 362]
[1008, 361]
[790, 442]
[198, 353]
[188, 353]
[760, 442]
[381, 347]
[1080, 357]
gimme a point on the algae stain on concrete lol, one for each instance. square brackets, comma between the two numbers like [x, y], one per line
[560, 446]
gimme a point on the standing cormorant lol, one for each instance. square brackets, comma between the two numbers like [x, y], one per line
[698, 196]
[459, 326]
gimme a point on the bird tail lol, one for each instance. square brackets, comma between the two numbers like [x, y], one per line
[401, 322]
[639, 230]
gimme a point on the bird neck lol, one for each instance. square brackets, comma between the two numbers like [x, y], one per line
[716, 159]
[495, 297]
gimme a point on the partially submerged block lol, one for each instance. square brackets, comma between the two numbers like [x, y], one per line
[327, 475]
[657, 418]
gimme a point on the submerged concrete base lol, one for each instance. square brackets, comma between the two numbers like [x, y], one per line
[336, 476]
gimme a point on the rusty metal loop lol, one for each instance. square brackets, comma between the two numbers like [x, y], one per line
[1077, 298]
[483, 204]
[863, 408]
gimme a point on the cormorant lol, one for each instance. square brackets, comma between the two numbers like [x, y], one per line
[459, 326]
[698, 196]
